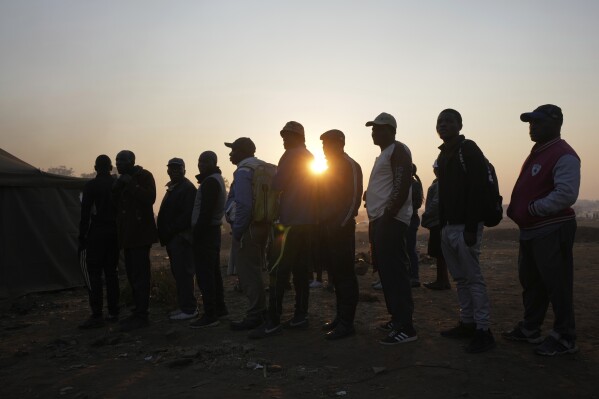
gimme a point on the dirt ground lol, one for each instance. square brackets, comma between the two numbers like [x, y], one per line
[44, 355]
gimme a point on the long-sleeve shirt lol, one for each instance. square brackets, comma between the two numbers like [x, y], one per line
[340, 191]
[98, 213]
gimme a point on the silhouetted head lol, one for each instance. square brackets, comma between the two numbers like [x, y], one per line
[125, 161]
[384, 128]
[175, 168]
[333, 143]
[293, 135]
[241, 149]
[545, 123]
[449, 124]
[207, 161]
[103, 164]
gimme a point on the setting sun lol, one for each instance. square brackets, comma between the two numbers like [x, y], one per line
[319, 165]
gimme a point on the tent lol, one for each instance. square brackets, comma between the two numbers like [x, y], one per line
[39, 214]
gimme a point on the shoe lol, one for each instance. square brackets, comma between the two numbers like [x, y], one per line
[204, 322]
[375, 283]
[435, 285]
[267, 329]
[414, 283]
[92, 322]
[378, 286]
[342, 330]
[315, 284]
[481, 342]
[133, 323]
[330, 326]
[297, 323]
[184, 316]
[386, 327]
[174, 312]
[552, 346]
[112, 318]
[246, 324]
[398, 337]
[462, 330]
[517, 334]
[222, 312]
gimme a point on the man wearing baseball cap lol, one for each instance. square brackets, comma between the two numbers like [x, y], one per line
[174, 231]
[340, 199]
[389, 208]
[250, 235]
[291, 251]
[541, 205]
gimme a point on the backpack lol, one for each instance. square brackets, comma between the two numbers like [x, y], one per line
[493, 201]
[417, 194]
[265, 200]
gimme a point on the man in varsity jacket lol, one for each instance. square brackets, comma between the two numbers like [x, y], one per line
[340, 199]
[541, 206]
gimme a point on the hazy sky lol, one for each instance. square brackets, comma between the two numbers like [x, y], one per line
[175, 78]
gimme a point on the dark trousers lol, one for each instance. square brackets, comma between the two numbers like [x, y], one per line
[180, 253]
[102, 259]
[388, 237]
[411, 245]
[290, 252]
[137, 263]
[342, 245]
[546, 272]
[206, 252]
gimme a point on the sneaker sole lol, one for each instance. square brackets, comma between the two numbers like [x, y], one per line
[556, 353]
[403, 341]
[213, 324]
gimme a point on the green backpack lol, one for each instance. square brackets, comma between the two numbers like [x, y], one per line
[265, 199]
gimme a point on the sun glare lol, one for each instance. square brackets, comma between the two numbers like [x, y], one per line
[319, 165]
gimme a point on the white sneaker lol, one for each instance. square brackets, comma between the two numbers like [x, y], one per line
[174, 312]
[184, 316]
[315, 284]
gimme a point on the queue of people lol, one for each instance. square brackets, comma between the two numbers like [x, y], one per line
[275, 213]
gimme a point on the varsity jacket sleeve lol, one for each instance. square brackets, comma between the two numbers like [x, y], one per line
[210, 192]
[566, 182]
[243, 201]
[401, 166]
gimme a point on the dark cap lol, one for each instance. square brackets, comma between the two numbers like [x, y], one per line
[547, 111]
[333, 135]
[176, 161]
[244, 144]
[293, 127]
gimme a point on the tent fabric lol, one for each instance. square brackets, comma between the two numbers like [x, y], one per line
[40, 215]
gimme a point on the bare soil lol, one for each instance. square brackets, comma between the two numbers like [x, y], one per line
[44, 355]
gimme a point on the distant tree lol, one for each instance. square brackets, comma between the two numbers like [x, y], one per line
[90, 175]
[61, 170]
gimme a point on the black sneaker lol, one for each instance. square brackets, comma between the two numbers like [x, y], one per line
[297, 323]
[342, 330]
[246, 324]
[516, 334]
[222, 312]
[462, 330]
[552, 346]
[386, 327]
[267, 329]
[330, 326]
[399, 337]
[204, 322]
[92, 322]
[133, 323]
[481, 342]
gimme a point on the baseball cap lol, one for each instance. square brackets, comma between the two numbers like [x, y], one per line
[383, 119]
[293, 127]
[547, 111]
[333, 134]
[244, 144]
[176, 161]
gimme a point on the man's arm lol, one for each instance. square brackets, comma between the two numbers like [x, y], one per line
[243, 202]
[477, 175]
[210, 189]
[143, 188]
[566, 184]
[401, 166]
[87, 201]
